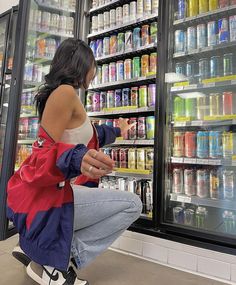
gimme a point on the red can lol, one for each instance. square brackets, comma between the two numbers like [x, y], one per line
[133, 130]
[142, 128]
[124, 158]
[178, 146]
[223, 3]
[190, 144]
[228, 103]
[115, 155]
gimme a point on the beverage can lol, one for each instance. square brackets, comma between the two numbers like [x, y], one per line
[179, 41]
[136, 67]
[99, 48]
[119, 15]
[126, 13]
[23, 128]
[201, 217]
[215, 66]
[106, 46]
[151, 95]
[177, 185]
[228, 184]
[128, 69]
[93, 46]
[191, 38]
[150, 127]
[212, 33]
[189, 217]
[121, 42]
[136, 38]
[203, 144]
[201, 36]
[100, 22]
[223, 3]
[215, 144]
[120, 70]
[193, 8]
[133, 10]
[132, 158]
[223, 27]
[189, 182]
[140, 8]
[155, 6]
[229, 221]
[215, 104]
[178, 215]
[141, 128]
[228, 64]
[110, 99]
[145, 65]
[147, 7]
[227, 103]
[190, 144]
[133, 131]
[115, 17]
[149, 152]
[33, 127]
[142, 101]
[203, 6]
[215, 185]
[106, 20]
[94, 23]
[46, 19]
[180, 68]
[128, 40]
[126, 97]
[105, 73]
[101, 2]
[153, 63]
[96, 102]
[141, 158]
[113, 44]
[203, 69]
[213, 5]
[54, 24]
[134, 96]
[179, 107]
[227, 142]
[179, 144]
[145, 35]
[70, 25]
[153, 33]
[190, 108]
[123, 158]
[182, 8]
[191, 70]
[115, 157]
[118, 98]
[203, 183]
[103, 100]
[232, 27]
[99, 75]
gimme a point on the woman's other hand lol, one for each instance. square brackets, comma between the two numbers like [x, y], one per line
[125, 126]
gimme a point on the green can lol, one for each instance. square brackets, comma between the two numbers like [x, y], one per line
[121, 42]
[142, 96]
[201, 217]
[136, 67]
[229, 221]
[179, 107]
[190, 107]
[150, 127]
[153, 32]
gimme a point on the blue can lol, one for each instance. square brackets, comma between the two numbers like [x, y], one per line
[181, 9]
[99, 48]
[212, 33]
[203, 144]
[203, 69]
[223, 27]
[191, 38]
[136, 38]
[126, 97]
[118, 98]
[215, 66]
[191, 70]
[180, 68]
[201, 36]
[215, 144]
[232, 28]
[179, 41]
[93, 46]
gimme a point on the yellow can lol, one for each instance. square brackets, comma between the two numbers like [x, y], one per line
[193, 8]
[132, 158]
[203, 6]
[213, 5]
[141, 158]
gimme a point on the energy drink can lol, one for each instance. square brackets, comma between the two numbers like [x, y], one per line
[142, 96]
[105, 73]
[179, 144]
[147, 7]
[193, 8]
[150, 127]
[228, 145]
[215, 144]
[99, 46]
[201, 36]
[203, 183]
[112, 72]
[100, 22]
[179, 41]
[116, 157]
[133, 10]
[182, 8]
[124, 158]
[136, 38]
[118, 98]
[128, 40]
[142, 128]
[223, 27]
[128, 69]
[203, 144]
[119, 16]
[140, 8]
[232, 26]
[191, 70]
[228, 184]
[113, 44]
[136, 67]
[120, 70]
[106, 46]
[153, 33]
[121, 42]
[103, 100]
[190, 144]
[106, 20]
[145, 35]
[215, 66]
[115, 17]
[141, 158]
[110, 99]
[201, 217]
[151, 95]
[190, 108]
[189, 217]
[126, 13]
[133, 131]
[215, 105]
[93, 46]
[96, 102]
[126, 97]
[180, 68]
[212, 33]
[228, 64]
[189, 182]
[134, 96]
[132, 158]
[191, 38]
[178, 215]
[229, 221]
[203, 69]
[153, 62]
[213, 5]
[177, 185]
[223, 3]
[155, 6]
[149, 158]
[227, 103]
[179, 107]
[203, 6]
[215, 184]
[144, 65]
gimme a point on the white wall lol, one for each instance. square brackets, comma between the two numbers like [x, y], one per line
[7, 4]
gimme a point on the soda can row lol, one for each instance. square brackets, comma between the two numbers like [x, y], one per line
[28, 128]
[142, 187]
[45, 48]
[203, 35]
[132, 158]
[204, 144]
[193, 8]
[33, 72]
[63, 4]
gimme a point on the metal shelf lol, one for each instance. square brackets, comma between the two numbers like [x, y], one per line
[28, 115]
[26, 141]
[121, 83]
[134, 142]
[124, 111]
[208, 15]
[105, 6]
[210, 49]
[222, 204]
[53, 8]
[212, 123]
[133, 175]
[46, 33]
[130, 24]
[41, 59]
[131, 52]
[205, 161]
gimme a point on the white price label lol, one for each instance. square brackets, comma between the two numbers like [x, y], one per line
[177, 88]
[202, 161]
[212, 84]
[215, 162]
[184, 199]
[177, 160]
[190, 160]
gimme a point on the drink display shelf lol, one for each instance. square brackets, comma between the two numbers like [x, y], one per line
[222, 204]
[127, 82]
[52, 8]
[26, 141]
[220, 122]
[121, 110]
[205, 161]
[122, 55]
[133, 173]
[25, 115]
[134, 142]
[124, 26]
[210, 50]
[41, 59]
[106, 6]
[28, 85]
[211, 15]
[45, 33]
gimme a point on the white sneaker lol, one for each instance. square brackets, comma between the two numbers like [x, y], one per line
[46, 275]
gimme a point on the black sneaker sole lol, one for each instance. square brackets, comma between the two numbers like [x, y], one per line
[23, 258]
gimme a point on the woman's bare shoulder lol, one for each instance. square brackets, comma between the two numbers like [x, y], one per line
[63, 94]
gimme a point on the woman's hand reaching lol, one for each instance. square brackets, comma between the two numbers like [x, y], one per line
[125, 126]
[96, 164]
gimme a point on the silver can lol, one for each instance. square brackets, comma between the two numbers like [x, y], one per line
[94, 24]
[106, 20]
[100, 22]
[119, 16]
[101, 2]
[126, 13]
[133, 10]
[147, 7]
[38, 19]
[70, 25]
[54, 24]
[46, 18]
[113, 15]
[106, 46]
[201, 107]
[203, 183]
[189, 182]
[139, 8]
[228, 184]
[177, 185]
[155, 6]
[62, 24]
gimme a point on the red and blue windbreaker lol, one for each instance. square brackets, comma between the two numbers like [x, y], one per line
[40, 197]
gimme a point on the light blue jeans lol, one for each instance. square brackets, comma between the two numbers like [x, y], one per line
[100, 218]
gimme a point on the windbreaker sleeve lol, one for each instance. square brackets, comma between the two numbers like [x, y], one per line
[107, 134]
